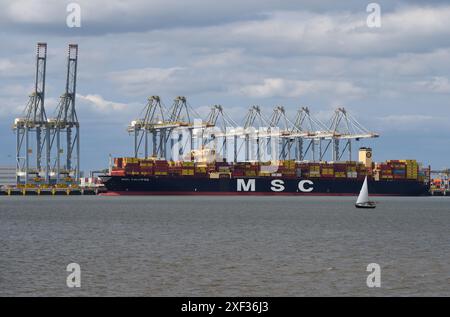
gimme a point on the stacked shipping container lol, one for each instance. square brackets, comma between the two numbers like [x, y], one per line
[389, 170]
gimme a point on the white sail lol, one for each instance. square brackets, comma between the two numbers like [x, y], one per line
[364, 193]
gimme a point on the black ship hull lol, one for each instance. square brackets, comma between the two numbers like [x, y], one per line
[166, 185]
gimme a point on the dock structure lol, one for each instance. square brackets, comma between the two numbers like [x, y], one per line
[440, 182]
[38, 191]
[440, 192]
[304, 138]
[48, 148]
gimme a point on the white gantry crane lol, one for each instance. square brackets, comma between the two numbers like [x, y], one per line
[304, 138]
[346, 128]
[152, 122]
[163, 125]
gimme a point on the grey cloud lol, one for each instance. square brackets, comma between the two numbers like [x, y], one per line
[115, 16]
[315, 54]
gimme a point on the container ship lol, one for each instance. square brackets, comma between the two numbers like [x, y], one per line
[151, 176]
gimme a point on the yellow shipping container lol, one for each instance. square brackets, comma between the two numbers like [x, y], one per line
[127, 160]
[327, 171]
[187, 172]
[290, 163]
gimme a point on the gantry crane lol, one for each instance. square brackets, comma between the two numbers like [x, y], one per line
[34, 123]
[153, 123]
[163, 125]
[219, 125]
[255, 133]
[256, 127]
[66, 151]
[345, 127]
[307, 127]
[284, 129]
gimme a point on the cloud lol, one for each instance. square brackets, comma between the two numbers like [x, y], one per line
[235, 53]
[435, 84]
[339, 33]
[10, 108]
[227, 58]
[5, 65]
[98, 103]
[117, 16]
[415, 123]
[146, 80]
[13, 69]
[279, 87]
[15, 90]
[407, 119]
[32, 11]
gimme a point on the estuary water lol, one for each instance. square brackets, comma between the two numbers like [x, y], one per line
[223, 246]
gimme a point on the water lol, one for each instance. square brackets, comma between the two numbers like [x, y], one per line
[223, 246]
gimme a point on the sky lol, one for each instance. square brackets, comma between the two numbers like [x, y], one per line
[394, 79]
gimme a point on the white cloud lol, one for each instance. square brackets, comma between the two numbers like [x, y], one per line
[409, 125]
[415, 123]
[288, 33]
[116, 16]
[98, 103]
[10, 108]
[10, 68]
[231, 53]
[228, 58]
[34, 11]
[407, 119]
[15, 90]
[435, 84]
[145, 80]
[5, 65]
[278, 87]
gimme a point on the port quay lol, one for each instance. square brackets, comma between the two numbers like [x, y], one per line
[211, 155]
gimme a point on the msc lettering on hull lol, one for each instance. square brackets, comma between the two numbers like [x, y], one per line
[243, 186]
[276, 185]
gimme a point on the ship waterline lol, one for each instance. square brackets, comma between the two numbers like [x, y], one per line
[138, 185]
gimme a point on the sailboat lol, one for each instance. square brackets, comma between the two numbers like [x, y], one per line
[363, 198]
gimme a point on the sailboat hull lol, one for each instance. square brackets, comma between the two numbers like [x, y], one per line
[369, 205]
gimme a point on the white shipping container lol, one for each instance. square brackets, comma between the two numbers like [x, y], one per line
[352, 174]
